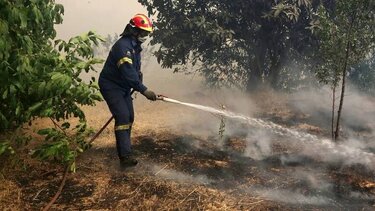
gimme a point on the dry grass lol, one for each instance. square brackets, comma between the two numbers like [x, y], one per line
[10, 195]
[177, 171]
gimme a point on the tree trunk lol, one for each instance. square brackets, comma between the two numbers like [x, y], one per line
[337, 132]
[333, 112]
[344, 71]
[256, 69]
[275, 68]
[254, 80]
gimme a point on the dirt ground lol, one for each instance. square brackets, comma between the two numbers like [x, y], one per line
[185, 166]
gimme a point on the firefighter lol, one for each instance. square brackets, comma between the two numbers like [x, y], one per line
[120, 77]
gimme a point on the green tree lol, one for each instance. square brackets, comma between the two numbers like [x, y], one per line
[39, 76]
[346, 37]
[241, 43]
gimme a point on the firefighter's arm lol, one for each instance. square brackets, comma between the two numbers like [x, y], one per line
[129, 72]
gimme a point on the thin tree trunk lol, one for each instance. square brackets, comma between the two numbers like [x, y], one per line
[337, 132]
[333, 112]
[274, 75]
[344, 71]
[255, 74]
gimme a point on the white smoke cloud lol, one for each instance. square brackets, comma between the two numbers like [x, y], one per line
[258, 144]
[181, 177]
[288, 196]
[358, 109]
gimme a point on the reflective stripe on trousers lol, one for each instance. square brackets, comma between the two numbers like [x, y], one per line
[121, 106]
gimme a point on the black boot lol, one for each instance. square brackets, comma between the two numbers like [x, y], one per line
[128, 161]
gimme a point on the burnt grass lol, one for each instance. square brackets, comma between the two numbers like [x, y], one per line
[182, 172]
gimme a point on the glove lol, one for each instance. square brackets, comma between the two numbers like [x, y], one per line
[150, 95]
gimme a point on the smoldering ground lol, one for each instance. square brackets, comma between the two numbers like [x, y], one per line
[318, 155]
[259, 142]
[299, 182]
[288, 169]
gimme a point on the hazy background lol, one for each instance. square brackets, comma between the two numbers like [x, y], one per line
[103, 17]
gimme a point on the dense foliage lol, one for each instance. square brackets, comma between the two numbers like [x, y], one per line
[246, 43]
[39, 75]
[242, 43]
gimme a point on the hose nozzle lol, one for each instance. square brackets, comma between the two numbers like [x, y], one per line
[161, 97]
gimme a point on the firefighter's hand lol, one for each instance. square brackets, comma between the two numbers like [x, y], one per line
[150, 95]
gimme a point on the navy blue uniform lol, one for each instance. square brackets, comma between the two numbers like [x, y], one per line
[122, 73]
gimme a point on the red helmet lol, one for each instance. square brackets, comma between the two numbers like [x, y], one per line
[141, 21]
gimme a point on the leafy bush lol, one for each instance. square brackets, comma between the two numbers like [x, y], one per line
[39, 75]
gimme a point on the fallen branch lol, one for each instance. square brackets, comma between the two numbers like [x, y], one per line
[161, 169]
[49, 205]
[187, 196]
[257, 202]
[37, 194]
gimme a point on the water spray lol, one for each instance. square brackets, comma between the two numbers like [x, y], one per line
[341, 150]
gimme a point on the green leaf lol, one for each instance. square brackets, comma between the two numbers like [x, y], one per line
[18, 110]
[12, 89]
[41, 89]
[35, 107]
[23, 19]
[45, 131]
[5, 94]
[3, 27]
[96, 96]
[73, 167]
[65, 125]
[37, 14]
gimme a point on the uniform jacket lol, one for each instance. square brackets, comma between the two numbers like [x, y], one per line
[122, 69]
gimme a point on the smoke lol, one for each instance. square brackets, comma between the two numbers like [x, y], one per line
[178, 176]
[191, 88]
[258, 144]
[290, 197]
[358, 122]
[309, 187]
[312, 180]
[358, 109]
